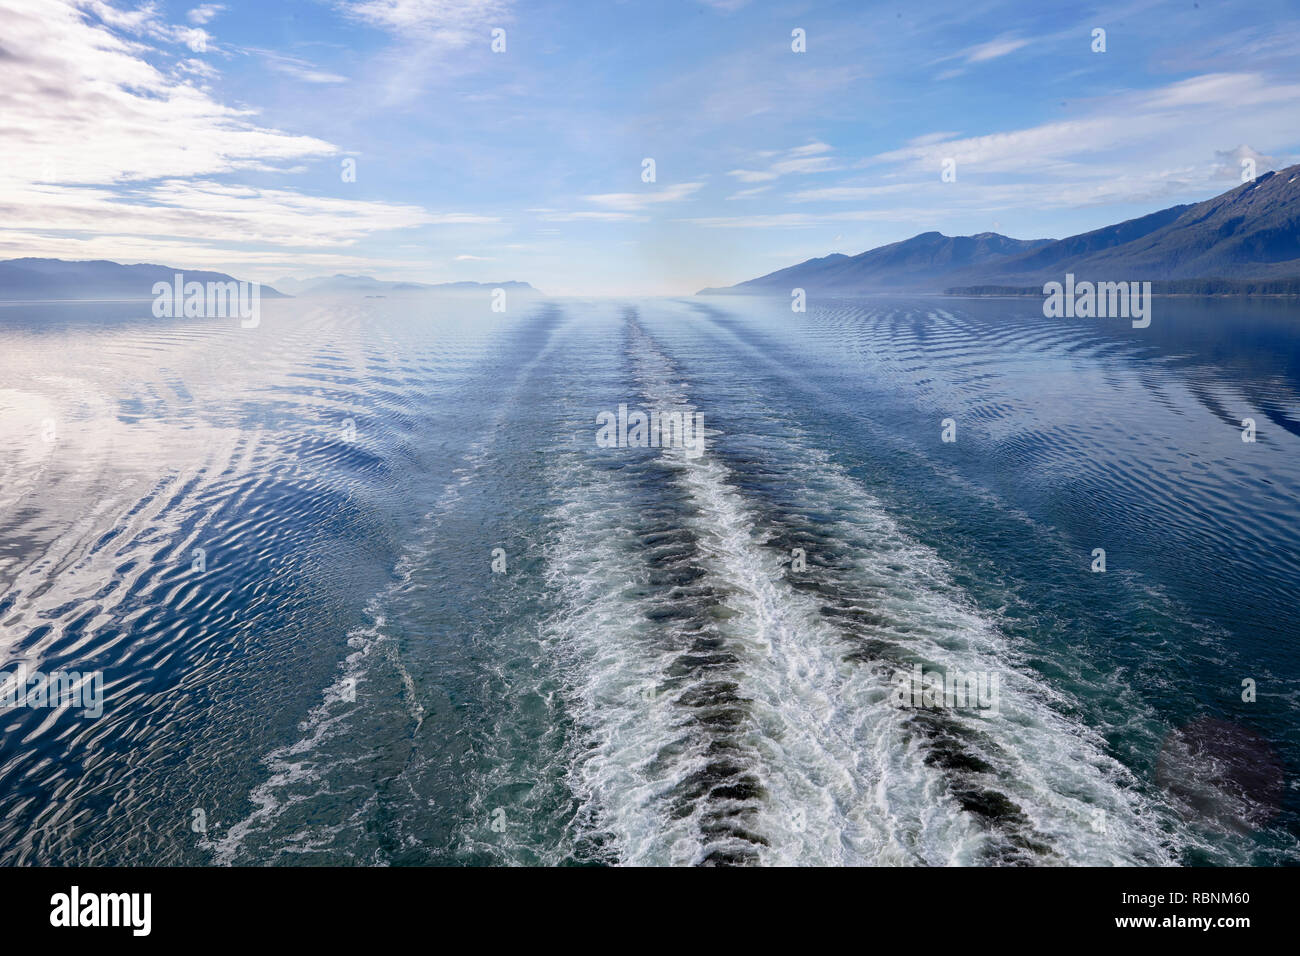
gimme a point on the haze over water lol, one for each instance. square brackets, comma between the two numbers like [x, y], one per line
[651, 680]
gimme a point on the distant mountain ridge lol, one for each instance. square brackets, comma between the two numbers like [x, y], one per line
[917, 263]
[343, 284]
[1229, 243]
[41, 279]
[51, 279]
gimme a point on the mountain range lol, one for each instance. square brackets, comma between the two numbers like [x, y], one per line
[1247, 239]
[37, 279]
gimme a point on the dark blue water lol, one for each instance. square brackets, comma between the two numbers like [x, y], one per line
[653, 677]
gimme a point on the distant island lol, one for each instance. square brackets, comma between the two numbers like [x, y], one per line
[1243, 242]
[31, 279]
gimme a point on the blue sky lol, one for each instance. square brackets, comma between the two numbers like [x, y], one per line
[214, 135]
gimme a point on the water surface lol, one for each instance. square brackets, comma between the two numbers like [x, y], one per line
[651, 679]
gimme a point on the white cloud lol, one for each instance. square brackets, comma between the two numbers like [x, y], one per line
[76, 92]
[204, 13]
[1230, 161]
[107, 151]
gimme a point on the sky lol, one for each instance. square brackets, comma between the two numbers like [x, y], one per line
[389, 138]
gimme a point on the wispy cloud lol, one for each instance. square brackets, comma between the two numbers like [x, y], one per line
[750, 193]
[622, 207]
[456, 22]
[809, 158]
[1156, 118]
[296, 67]
[211, 211]
[994, 48]
[640, 200]
[982, 53]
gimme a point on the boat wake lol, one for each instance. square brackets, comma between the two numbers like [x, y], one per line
[735, 704]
